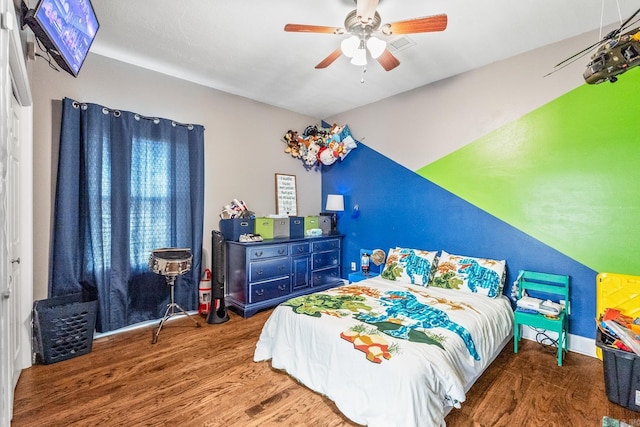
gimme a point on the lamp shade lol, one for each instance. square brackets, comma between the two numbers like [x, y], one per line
[360, 57]
[335, 202]
[376, 46]
[349, 46]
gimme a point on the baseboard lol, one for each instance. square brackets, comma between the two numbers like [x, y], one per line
[576, 343]
[143, 324]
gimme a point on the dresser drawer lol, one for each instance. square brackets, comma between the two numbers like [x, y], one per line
[299, 249]
[261, 252]
[269, 269]
[325, 259]
[326, 245]
[324, 277]
[269, 290]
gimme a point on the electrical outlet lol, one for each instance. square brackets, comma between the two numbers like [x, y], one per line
[353, 266]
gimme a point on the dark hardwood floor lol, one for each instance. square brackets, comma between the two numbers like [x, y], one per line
[206, 377]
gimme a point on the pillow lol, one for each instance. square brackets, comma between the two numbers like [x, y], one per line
[477, 275]
[408, 265]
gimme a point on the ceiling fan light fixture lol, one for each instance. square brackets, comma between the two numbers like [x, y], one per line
[376, 46]
[350, 46]
[360, 57]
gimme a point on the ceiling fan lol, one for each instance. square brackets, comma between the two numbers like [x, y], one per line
[362, 23]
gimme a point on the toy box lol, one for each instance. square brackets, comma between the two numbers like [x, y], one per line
[621, 375]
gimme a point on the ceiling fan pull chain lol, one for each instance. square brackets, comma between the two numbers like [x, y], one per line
[364, 70]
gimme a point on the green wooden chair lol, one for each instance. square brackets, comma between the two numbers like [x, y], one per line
[556, 288]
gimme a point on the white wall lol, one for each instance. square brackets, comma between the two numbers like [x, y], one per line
[243, 146]
[418, 127]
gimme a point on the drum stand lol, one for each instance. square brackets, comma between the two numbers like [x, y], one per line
[171, 310]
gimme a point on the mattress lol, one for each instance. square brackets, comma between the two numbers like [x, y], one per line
[387, 353]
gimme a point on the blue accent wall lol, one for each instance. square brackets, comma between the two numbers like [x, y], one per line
[397, 207]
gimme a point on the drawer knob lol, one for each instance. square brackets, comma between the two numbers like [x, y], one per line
[281, 251]
[260, 292]
[282, 287]
[259, 272]
[259, 253]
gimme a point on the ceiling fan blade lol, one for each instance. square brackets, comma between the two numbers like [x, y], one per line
[425, 24]
[388, 61]
[329, 59]
[302, 28]
[366, 9]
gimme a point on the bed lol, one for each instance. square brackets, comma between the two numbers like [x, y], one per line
[392, 350]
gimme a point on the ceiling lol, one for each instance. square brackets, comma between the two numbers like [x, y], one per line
[240, 46]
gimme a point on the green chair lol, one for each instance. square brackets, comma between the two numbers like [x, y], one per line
[554, 287]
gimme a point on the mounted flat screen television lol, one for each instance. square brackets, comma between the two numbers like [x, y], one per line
[66, 29]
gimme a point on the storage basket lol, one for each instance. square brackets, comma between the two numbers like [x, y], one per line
[264, 227]
[296, 226]
[621, 375]
[63, 327]
[233, 228]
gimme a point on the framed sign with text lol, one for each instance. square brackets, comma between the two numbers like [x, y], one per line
[286, 195]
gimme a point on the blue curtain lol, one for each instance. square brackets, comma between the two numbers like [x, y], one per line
[126, 185]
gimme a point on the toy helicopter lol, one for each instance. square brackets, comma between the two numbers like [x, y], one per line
[617, 53]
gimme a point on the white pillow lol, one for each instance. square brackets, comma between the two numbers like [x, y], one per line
[477, 275]
[409, 265]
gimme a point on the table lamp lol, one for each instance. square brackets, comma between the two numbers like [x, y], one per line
[335, 203]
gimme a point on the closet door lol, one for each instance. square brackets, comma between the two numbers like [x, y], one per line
[6, 361]
[16, 206]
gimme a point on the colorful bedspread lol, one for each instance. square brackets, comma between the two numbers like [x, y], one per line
[387, 354]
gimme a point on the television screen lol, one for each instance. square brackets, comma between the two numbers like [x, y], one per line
[66, 28]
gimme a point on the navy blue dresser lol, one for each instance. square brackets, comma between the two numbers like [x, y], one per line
[263, 274]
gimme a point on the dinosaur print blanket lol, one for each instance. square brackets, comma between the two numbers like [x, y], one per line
[387, 353]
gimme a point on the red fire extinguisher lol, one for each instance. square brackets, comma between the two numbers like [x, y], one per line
[205, 293]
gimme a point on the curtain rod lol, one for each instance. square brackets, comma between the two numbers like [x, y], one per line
[116, 113]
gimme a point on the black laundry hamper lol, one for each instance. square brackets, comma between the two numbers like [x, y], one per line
[63, 327]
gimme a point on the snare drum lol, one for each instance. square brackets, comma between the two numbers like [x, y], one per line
[170, 261]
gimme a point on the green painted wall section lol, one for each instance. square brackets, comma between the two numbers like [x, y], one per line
[567, 174]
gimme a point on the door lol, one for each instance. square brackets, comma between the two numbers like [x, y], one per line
[6, 367]
[10, 292]
[13, 293]
[15, 210]
[300, 272]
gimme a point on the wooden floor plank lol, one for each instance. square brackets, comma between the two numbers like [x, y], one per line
[206, 377]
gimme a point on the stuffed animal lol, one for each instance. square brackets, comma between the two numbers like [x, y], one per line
[311, 130]
[326, 157]
[348, 144]
[291, 139]
[322, 145]
[311, 158]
